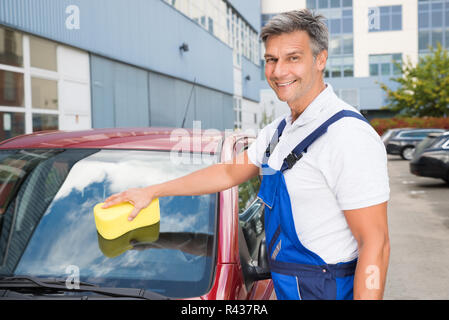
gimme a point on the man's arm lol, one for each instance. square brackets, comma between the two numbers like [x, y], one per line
[212, 179]
[370, 229]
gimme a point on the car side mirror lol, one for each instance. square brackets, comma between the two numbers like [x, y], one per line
[262, 270]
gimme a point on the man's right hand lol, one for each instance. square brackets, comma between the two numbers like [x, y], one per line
[140, 198]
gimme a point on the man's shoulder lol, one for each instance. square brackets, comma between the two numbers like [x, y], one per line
[272, 126]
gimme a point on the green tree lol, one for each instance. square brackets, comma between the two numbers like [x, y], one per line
[423, 88]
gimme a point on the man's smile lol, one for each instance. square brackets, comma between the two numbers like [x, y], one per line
[285, 84]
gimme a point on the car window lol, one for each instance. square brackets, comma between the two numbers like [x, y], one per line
[441, 142]
[49, 225]
[251, 215]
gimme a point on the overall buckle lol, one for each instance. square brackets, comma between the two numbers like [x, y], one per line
[291, 159]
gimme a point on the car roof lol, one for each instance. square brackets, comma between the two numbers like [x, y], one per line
[150, 138]
[422, 129]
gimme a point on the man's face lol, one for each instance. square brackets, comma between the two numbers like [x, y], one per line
[290, 67]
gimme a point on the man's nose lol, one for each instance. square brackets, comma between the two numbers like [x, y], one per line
[280, 70]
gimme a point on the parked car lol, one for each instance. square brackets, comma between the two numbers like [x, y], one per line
[390, 133]
[433, 161]
[404, 142]
[204, 247]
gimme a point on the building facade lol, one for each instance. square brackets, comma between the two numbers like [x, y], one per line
[80, 64]
[366, 41]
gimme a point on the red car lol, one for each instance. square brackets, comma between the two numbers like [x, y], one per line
[204, 247]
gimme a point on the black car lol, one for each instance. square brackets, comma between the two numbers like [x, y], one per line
[433, 161]
[404, 142]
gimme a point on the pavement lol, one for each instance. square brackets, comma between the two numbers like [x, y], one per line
[418, 220]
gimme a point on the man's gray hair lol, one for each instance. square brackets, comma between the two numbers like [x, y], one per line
[299, 20]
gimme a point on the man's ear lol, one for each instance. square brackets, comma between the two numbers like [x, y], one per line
[321, 60]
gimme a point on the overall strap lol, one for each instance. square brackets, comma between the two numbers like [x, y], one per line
[274, 141]
[297, 152]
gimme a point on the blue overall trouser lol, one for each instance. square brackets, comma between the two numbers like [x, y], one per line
[297, 272]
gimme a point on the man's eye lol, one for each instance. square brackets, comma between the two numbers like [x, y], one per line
[294, 58]
[268, 60]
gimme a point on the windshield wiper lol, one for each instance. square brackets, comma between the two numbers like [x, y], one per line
[58, 285]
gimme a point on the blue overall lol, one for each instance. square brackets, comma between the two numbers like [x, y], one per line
[297, 272]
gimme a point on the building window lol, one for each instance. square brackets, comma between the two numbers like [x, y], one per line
[385, 64]
[385, 18]
[35, 77]
[11, 51]
[433, 24]
[339, 20]
[237, 113]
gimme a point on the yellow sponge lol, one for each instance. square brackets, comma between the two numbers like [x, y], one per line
[113, 222]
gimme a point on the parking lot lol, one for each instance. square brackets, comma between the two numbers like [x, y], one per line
[418, 214]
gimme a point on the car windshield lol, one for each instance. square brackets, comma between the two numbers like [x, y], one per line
[47, 225]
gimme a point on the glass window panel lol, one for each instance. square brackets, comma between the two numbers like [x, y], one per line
[423, 20]
[11, 89]
[396, 22]
[397, 70]
[385, 23]
[438, 6]
[311, 4]
[335, 26]
[347, 25]
[11, 124]
[11, 51]
[374, 69]
[348, 71]
[333, 13]
[323, 4]
[335, 45]
[347, 13]
[43, 54]
[385, 69]
[326, 73]
[423, 7]
[423, 40]
[385, 10]
[348, 45]
[44, 93]
[396, 9]
[446, 17]
[437, 36]
[335, 72]
[45, 122]
[347, 3]
[348, 60]
[446, 40]
[397, 57]
[335, 4]
[437, 19]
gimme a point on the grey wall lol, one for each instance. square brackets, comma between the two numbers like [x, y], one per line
[126, 96]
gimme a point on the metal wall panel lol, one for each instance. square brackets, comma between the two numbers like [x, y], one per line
[251, 87]
[124, 96]
[144, 33]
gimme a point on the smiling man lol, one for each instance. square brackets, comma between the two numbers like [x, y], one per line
[325, 180]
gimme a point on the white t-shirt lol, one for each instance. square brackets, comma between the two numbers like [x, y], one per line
[344, 169]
